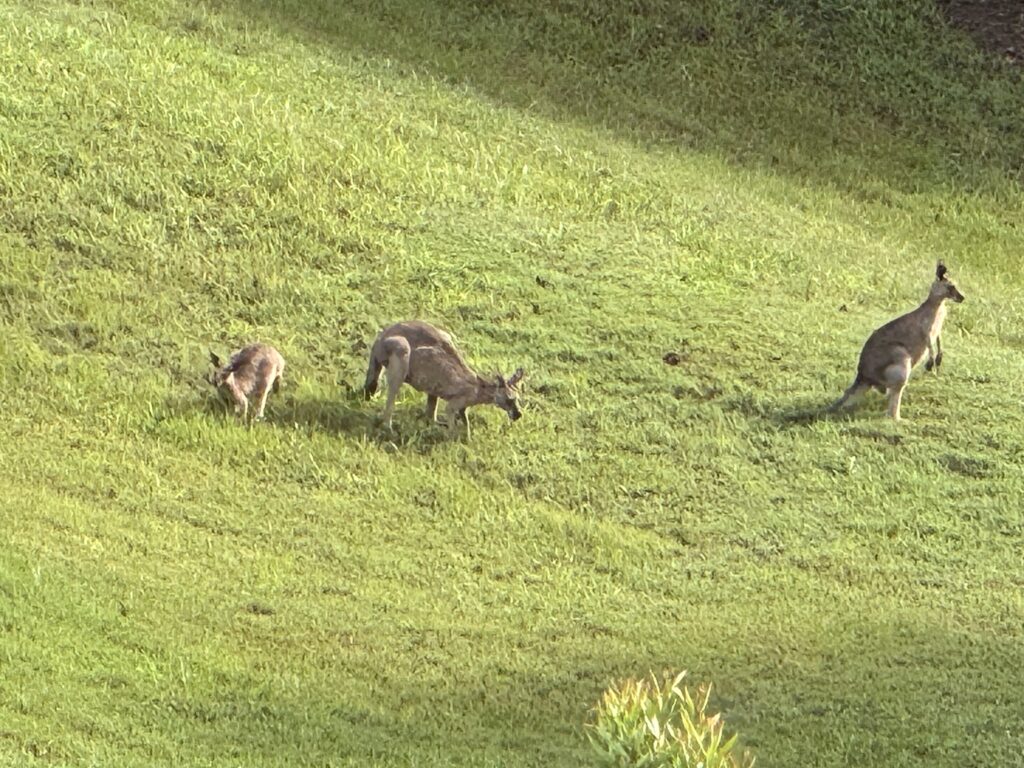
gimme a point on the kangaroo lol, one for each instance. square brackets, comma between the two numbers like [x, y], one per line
[425, 357]
[894, 349]
[251, 372]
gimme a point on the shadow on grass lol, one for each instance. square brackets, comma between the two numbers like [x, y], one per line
[801, 414]
[347, 415]
[795, 414]
[859, 685]
[344, 415]
[757, 84]
[756, 407]
[352, 415]
[804, 414]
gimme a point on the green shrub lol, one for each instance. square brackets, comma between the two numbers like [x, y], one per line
[644, 724]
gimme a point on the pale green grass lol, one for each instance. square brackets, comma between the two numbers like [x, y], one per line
[177, 590]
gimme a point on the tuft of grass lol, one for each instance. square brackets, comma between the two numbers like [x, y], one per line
[646, 723]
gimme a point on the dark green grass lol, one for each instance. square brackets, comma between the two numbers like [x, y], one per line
[832, 92]
[178, 590]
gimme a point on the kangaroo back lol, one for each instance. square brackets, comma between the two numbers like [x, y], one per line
[256, 367]
[415, 334]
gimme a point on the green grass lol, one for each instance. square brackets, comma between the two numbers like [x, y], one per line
[565, 190]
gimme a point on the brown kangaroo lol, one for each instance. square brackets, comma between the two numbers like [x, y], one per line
[423, 356]
[893, 350]
[251, 372]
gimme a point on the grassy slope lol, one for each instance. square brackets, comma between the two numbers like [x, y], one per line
[176, 590]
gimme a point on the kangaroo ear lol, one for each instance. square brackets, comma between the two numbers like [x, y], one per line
[501, 380]
[940, 271]
[516, 377]
[215, 360]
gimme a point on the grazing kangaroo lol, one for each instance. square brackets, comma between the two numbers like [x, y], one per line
[423, 356]
[251, 372]
[894, 349]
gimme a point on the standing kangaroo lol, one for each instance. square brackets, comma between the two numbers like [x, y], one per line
[251, 372]
[423, 356]
[894, 349]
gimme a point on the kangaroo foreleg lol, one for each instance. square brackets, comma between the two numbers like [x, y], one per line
[241, 401]
[262, 403]
[431, 410]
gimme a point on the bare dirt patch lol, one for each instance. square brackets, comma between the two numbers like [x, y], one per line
[995, 25]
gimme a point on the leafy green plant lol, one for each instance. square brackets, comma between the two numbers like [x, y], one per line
[647, 724]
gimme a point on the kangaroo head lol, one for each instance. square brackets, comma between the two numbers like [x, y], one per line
[505, 394]
[217, 375]
[943, 287]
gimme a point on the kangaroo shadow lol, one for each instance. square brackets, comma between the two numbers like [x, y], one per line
[352, 414]
[347, 414]
[809, 411]
[212, 404]
[342, 415]
[798, 413]
[196, 401]
[803, 412]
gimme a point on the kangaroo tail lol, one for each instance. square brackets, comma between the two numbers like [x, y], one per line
[372, 374]
[855, 389]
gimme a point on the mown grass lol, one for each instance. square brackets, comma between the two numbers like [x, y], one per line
[177, 590]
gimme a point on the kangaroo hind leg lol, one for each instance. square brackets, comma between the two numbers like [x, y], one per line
[398, 369]
[896, 376]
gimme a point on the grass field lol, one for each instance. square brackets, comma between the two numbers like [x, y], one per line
[564, 187]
